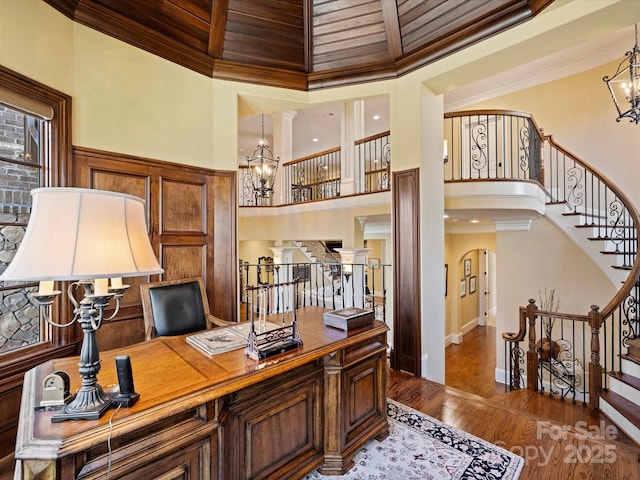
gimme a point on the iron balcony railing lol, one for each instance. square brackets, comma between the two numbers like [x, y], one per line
[328, 285]
[315, 177]
[319, 176]
[492, 144]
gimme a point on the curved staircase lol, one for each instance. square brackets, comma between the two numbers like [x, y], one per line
[502, 145]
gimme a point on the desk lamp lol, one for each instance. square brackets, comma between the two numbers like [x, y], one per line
[88, 237]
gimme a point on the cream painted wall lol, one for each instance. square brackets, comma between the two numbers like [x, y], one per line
[43, 51]
[529, 262]
[458, 246]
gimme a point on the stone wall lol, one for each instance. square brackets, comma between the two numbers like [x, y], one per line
[19, 317]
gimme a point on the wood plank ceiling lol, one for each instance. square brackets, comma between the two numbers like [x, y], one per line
[301, 44]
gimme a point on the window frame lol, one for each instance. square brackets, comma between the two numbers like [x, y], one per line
[55, 172]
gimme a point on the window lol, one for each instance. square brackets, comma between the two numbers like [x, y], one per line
[35, 151]
[20, 171]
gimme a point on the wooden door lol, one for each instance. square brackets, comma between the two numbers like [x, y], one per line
[405, 193]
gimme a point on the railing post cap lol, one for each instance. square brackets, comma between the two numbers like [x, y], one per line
[532, 300]
[595, 308]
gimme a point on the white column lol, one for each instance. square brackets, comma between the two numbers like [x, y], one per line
[282, 273]
[353, 286]
[283, 148]
[352, 130]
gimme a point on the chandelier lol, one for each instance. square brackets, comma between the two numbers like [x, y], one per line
[263, 167]
[624, 85]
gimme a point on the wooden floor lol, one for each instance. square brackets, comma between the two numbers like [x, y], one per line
[558, 440]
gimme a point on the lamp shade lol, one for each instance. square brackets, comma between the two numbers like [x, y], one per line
[78, 234]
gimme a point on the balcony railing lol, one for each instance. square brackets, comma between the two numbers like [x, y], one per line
[374, 155]
[491, 145]
[328, 285]
[319, 176]
[313, 178]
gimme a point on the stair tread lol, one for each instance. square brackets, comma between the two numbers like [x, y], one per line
[626, 378]
[614, 252]
[625, 407]
[631, 358]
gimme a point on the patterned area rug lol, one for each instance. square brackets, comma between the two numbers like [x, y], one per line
[421, 447]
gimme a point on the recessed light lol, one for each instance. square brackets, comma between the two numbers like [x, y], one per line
[475, 221]
[315, 139]
[376, 117]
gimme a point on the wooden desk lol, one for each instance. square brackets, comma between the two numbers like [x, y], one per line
[222, 417]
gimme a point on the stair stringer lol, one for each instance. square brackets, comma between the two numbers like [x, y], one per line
[580, 237]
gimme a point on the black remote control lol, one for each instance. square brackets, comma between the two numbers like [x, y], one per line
[127, 395]
[125, 374]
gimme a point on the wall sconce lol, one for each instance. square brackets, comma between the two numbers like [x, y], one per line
[624, 85]
[87, 236]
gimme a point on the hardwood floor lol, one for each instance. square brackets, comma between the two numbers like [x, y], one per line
[558, 440]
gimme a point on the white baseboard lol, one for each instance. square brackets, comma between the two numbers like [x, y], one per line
[457, 338]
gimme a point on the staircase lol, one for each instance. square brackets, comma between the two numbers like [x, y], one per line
[317, 253]
[601, 220]
[605, 226]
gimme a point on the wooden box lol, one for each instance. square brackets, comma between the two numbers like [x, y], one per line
[348, 318]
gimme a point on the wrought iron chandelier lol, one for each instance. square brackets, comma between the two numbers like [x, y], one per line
[263, 167]
[624, 85]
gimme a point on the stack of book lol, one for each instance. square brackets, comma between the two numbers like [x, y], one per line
[220, 340]
[348, 318]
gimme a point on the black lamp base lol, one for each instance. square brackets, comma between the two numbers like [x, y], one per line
[89, 404]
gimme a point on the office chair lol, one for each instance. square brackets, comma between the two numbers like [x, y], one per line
[176, 307]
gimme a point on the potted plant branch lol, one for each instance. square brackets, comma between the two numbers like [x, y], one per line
[547, 348]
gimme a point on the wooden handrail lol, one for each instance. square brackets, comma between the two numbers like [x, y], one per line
[315, 155]
[372, 137]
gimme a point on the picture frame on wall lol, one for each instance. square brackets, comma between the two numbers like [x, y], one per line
[472, 284]
[463, 287]
[467, 267]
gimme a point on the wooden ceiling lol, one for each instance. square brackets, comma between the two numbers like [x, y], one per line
[301, 44]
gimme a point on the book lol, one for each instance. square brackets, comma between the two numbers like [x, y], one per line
[220, 340]
[348, 318]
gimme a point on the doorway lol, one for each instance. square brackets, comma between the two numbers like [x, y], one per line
[470, 355]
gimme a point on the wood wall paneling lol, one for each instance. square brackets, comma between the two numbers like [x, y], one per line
[222, 259]
[191, 220]
[406, 272]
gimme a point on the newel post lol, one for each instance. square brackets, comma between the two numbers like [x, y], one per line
[532, 354]
[595, 369]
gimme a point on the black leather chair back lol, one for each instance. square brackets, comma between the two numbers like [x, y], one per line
[177, 309]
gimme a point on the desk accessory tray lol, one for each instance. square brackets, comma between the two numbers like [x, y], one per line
[272, 341]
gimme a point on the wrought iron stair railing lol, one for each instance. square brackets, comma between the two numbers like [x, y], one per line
[582, 349]
[589, 346]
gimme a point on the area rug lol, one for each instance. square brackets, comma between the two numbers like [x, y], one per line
[421, 447]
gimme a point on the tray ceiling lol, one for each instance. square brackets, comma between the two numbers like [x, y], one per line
[301, 44]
